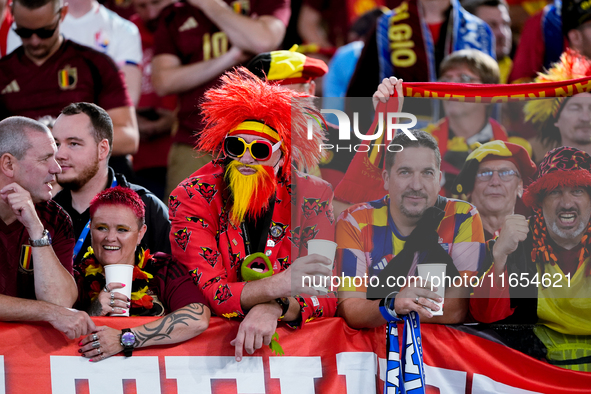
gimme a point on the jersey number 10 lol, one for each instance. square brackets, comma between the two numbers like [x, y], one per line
[216, 43]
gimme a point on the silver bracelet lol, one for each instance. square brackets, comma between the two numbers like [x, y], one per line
[392, 311]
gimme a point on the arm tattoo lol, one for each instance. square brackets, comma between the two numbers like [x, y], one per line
[166, 325]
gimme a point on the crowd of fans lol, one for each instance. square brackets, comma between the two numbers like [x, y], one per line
[113, 111]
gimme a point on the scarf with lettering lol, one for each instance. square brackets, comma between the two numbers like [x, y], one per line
[405, 372]
[406, 48]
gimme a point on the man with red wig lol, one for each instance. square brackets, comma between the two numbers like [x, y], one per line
[541, 270]
[240, 204]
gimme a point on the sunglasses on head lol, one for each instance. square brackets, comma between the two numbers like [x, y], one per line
[259, 149]
[43, 33]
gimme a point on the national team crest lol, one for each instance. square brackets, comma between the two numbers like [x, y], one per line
[26, 260]
[67, 78]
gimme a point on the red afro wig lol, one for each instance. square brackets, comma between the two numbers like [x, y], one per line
[243, 96]
[119, 195]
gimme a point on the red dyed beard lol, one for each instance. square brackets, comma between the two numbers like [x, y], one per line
[251, 193]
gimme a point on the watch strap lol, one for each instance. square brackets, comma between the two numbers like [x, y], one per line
[45, 240]
[127, 350]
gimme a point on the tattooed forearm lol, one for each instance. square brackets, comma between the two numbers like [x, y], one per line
[169, 329]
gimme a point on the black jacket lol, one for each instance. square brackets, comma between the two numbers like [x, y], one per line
[157, 236]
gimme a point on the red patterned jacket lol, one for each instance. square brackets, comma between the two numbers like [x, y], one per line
[206, 243]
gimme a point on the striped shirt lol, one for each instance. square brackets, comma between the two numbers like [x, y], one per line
[368, 239]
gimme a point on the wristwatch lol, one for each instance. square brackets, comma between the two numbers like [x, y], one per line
[45, 240]
[127, 341]
[284, 304]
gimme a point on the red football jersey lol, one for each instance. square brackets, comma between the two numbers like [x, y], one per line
[186, 32]
[17, 270]
[153, 152]
[74, 73]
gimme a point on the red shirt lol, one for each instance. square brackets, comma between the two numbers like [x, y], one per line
[529, 56]
[74, 73]
[186, 32]
[4, 29]
[154, 152]
[17, 269]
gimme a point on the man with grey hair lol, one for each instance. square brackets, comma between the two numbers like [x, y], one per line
[36, 237]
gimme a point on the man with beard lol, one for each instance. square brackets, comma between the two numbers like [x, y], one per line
[550, 256]
[49, 72]
[36, 237]
[241, 204]
[84, 137]
[411, 225]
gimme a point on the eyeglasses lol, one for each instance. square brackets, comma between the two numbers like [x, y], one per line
[42, 33]
[259, 149]
[505, 175]
[462, 78]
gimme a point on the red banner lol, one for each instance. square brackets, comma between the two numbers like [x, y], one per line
[326, 357]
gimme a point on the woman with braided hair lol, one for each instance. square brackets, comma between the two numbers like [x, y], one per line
[541, 270]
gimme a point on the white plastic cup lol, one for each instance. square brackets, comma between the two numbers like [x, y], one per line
[427, 272]
[122, 273]
[327, 249]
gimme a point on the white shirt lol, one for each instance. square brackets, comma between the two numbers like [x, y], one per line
[100, 29]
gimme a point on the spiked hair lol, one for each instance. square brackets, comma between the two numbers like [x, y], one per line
[242, 96]
[119, 195]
